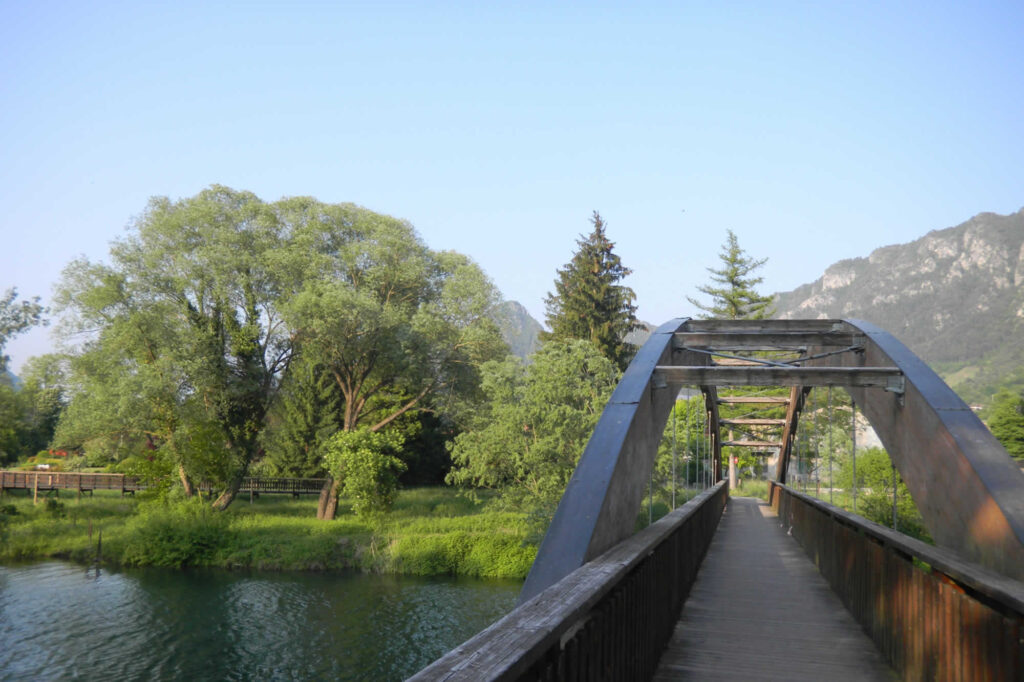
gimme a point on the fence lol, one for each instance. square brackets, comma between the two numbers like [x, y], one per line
[932, 614]
[609, 619]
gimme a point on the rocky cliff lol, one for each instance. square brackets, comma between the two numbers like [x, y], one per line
[954, 296]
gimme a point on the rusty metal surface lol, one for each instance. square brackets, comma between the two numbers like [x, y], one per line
[933, 615]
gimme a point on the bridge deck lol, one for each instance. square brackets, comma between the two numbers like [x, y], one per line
[760, 610]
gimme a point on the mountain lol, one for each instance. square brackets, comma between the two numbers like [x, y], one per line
[518, 328]
[955, 297]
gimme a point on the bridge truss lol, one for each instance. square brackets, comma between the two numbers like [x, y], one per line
[968, 490]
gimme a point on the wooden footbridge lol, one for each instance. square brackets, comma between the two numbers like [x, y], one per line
[790, 588]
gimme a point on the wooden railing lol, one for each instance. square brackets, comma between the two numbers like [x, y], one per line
[610, 619]
[86, 482]
[932, 614]
[66, 480]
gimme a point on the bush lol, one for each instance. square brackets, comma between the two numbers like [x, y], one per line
[366, 464]
[175, 534]
[483, 555]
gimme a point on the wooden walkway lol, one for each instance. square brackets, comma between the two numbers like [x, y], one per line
[759, 610]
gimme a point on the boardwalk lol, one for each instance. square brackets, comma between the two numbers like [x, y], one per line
[760, 610]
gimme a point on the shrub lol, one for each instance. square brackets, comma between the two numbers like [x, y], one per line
[366, 464]
[175, 534]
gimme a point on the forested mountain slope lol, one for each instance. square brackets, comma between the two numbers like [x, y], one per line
[954, 296]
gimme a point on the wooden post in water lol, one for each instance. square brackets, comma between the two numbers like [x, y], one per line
[35, 490]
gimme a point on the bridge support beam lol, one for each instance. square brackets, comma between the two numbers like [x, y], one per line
[968, 490]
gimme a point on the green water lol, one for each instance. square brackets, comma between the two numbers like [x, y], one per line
[60, 621]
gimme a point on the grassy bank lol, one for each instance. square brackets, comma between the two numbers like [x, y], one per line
[430, 531]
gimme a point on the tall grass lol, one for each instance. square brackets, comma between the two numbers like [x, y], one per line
[429, 531]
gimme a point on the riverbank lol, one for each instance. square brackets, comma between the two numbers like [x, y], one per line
[430, 531]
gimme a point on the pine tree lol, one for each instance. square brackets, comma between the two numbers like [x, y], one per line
[735, 296]
[588, 303]
[306, 415]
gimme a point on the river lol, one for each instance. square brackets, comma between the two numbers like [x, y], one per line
[60, 621]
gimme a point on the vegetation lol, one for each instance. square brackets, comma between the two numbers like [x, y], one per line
[16, 318]
[953, 297]
[26, 414]
[226, 336]
[226, 330]
[732, 291]
[588, 302]
[525, 440]
[1006, 421]
[430, 531]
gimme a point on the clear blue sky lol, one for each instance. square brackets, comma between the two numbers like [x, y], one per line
[816, 131]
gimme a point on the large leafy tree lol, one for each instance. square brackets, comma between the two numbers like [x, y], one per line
[398, 327]
[589, 303]
[16, 317]
[183, 332]
[528, 436]
[733, 286]
[1007, 422]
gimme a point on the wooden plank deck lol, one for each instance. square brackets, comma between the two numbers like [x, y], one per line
[760, 610]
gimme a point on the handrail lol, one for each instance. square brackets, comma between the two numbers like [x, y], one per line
[608, 619]
[929, 611]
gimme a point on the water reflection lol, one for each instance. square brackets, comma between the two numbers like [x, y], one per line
[57, 622]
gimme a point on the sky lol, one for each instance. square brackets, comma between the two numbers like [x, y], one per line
[814, 131]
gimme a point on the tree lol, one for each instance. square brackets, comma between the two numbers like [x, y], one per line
[183, 332]
[733, 294]
[16, 318]
[1007, 422]
[306, 414]
[529, 434]
[588, 303]
[400, 328]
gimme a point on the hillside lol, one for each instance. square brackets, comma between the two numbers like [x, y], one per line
[518, 328]
[954, 296]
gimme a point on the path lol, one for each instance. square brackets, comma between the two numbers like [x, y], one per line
[760, 610]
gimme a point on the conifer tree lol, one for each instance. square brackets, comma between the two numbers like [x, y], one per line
[588, 302]
[305, 416]
[732, 293]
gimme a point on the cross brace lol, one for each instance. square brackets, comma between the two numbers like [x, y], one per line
[754, 340]
[889, 378]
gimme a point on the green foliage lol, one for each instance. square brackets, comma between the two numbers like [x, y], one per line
[399, 327]
[174, 534]
[1006, 421]
[527, 438]
[430, 530]
[188, 343]
[306, 414]
[733, 293]
[366, 463]
[589, 304]
[29, 412]
[483, 555]
[16, 318]
[196, 318]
